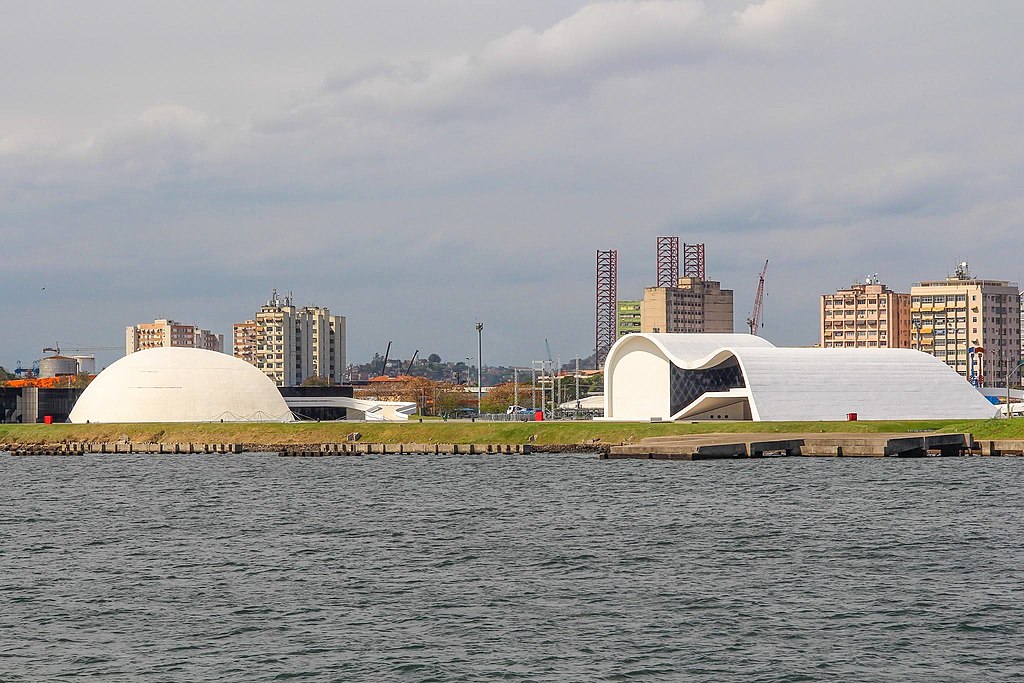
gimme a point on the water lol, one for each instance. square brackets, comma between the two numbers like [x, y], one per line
[560, 568]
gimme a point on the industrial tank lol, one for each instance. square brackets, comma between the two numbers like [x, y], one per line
[86, 364]
[53, 366]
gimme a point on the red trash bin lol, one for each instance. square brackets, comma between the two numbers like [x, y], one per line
[47, 419]
[538, 416]
[851, 417]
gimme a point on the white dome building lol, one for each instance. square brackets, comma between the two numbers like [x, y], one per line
[181, 385]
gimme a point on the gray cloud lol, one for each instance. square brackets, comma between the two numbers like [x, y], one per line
[415, 180]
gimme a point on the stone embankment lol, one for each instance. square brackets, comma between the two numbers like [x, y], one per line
[290, 450]
[680, 447]
[726, 446]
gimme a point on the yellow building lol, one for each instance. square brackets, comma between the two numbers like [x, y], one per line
[951, 316]
[693, 306]
[164, 333]
[868, 315]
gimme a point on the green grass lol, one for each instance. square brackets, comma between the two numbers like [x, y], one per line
[545, 433]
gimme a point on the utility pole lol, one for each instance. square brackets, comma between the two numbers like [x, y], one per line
[479, 366]
[515, 386]
[577, 379]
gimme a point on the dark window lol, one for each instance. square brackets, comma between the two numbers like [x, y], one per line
[686, 386]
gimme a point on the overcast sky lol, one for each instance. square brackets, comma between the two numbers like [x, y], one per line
[420, 165]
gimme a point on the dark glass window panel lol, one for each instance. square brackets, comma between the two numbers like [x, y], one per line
[686, 386]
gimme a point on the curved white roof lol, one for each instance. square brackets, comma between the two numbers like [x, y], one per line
[786, 383]
[180, 385]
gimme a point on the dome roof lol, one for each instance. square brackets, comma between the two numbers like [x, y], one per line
[180, 385]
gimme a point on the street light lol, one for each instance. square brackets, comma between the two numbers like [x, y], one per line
[479, 366]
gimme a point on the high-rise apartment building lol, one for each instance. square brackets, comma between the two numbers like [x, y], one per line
[629, 318]
[694, 305]
[949, 317]
[868, 315]
[163, 332]
[291, 343]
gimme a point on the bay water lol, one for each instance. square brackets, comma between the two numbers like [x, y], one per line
[534, 568]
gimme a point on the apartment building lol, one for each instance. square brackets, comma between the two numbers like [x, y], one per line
[864, 316]
[949, 317]
[291, 344]
[164, 332]
[629, 318]
[694, 305]
[244, 340]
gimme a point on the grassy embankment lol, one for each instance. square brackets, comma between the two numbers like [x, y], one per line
[545, 433]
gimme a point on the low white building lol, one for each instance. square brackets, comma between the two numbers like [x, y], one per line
[743, 377]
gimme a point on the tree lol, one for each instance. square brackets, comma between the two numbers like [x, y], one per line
[5, 375]
[316, 381]
[81, 381]
[433, 358]
[500, 397]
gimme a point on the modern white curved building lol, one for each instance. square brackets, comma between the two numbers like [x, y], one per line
[743, 377]
[181, 385]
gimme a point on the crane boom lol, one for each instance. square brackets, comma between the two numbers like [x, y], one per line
[754, 321]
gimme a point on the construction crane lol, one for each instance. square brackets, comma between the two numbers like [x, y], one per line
[754, 321]
[408, 370]
[70, 347]
[384, 365]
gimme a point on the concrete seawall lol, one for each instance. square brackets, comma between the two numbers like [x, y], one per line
[681, 447]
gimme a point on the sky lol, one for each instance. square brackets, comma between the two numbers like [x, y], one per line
[419, 166]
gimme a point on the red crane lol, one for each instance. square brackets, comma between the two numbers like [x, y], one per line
[754, 321]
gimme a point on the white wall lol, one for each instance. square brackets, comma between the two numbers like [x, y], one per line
[640, 389]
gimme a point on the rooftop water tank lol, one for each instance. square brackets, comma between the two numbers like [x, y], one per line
[86, 364]
[55, 366]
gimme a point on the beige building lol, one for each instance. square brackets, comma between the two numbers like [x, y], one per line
[244, 340]
[163, 332]
[693, 306]
[291, 344]
[868, 315]
[962, 312]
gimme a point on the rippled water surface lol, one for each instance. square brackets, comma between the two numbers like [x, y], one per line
[423, 568]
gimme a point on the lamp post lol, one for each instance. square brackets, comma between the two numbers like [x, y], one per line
[479, 366]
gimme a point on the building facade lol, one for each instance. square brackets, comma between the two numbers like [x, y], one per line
[291, 344]
[743, 377]
[162, 333]
[868, 315]
[244, 340]
[694, 305]
[629, 318]
[952, 316]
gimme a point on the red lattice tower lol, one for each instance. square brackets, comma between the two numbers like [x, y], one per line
[607, 296]
[668, 262]
[693, 261]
